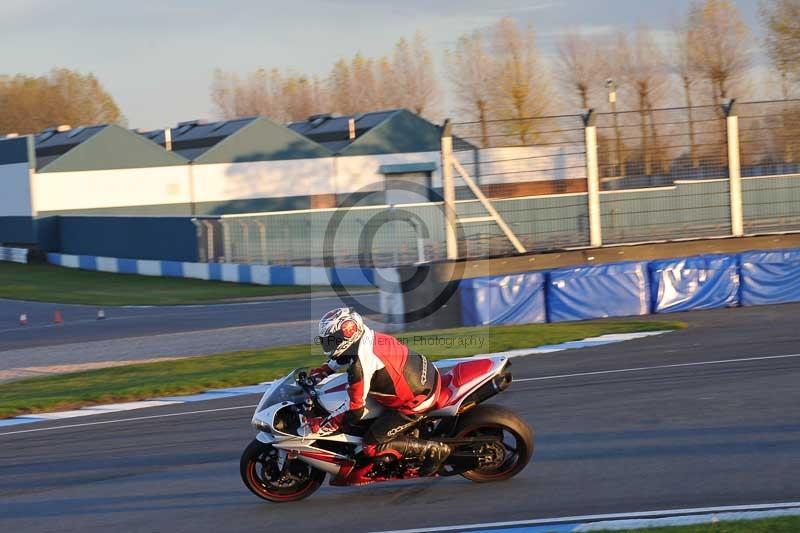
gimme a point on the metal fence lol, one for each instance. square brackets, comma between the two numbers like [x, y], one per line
[534, 171]
[663, 172]
[539, 184]
[769, 137]
[361, 235]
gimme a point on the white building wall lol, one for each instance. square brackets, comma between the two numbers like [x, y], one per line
[360, 172]
[15, 190]
[263, 179]
[60, 191]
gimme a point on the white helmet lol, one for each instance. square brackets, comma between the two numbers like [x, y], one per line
[338, 330]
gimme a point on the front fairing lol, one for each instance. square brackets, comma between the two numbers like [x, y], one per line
[282, 390]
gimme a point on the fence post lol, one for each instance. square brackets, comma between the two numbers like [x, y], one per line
[198, 231]
[449, 190]
[592, 180]
[210, 248]
[262, 239]
[227, 242]
[734, 170]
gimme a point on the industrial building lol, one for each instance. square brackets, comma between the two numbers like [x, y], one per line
[247, 165]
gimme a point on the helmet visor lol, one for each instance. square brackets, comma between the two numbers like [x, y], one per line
[329, 343]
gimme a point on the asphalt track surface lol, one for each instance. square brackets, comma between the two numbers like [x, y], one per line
[702, 417]
[144, 332]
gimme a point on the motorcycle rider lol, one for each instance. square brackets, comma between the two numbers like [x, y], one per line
[380, 366]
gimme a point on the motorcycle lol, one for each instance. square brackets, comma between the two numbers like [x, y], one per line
[287, 462]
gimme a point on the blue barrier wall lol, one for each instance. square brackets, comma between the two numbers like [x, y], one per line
[17, 230]
[162, 238]
[598, 291]
[235, 273]
[511, 299]
[636, 288]
[771, 277]
[689, 283]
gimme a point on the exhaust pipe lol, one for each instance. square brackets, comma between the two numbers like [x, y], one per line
[498, 384]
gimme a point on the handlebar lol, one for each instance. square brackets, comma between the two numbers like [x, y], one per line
[307, 383]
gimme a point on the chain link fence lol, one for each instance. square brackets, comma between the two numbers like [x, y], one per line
[663, 175]
[534, 171]
[368, 235]
[769, 138]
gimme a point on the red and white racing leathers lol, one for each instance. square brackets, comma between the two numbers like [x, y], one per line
[394, 376]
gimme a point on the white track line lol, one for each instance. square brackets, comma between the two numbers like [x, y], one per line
[129, 419]
[561, 376]
[597, 517]
[642, 368]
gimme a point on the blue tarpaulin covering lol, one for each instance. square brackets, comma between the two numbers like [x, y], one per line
[580, 293]
[699, 282]
[511, 299]
[770, 277]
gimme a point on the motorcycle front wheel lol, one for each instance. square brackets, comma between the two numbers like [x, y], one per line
[511, 442]
[261, 473]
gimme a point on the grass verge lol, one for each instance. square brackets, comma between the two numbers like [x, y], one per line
[194, 374]
[786, 524]
[49, 283]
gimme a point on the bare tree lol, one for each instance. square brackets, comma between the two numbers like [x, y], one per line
[723, 45]
[782, 21]
[579, 65]
[63, 96]
[521, 90]
[414, 74]
[470, 69]
[282, 97]
[340, 87]
[642, 67]
[364, 84]
[386, 85]
[685, 64]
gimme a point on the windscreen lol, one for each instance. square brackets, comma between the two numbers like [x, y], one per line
[284, 390]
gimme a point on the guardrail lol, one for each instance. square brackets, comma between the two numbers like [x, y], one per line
[14, 255]
[234, 273]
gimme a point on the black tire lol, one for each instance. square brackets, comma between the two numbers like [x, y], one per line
[487, 419]
[253, 468]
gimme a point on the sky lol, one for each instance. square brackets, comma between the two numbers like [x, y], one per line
[156, 57]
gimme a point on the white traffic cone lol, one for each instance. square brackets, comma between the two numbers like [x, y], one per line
[101, 315]
[23, 319]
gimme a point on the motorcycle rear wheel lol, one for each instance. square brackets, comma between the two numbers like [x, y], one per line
[493, 420]
[260, 473]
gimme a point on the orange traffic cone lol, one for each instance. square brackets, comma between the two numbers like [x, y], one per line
[57, 319]
[23, 319]
[101, 315]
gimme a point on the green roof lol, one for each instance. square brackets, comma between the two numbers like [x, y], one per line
[262, 140]
[113, 147]
[402, 132]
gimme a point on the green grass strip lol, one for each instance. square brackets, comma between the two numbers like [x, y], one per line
[49, 283]
[194, 374]
[787, 524]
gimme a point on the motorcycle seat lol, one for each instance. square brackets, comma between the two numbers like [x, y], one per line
[459, 375]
